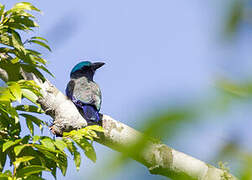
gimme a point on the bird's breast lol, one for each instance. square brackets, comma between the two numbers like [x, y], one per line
[87, 91]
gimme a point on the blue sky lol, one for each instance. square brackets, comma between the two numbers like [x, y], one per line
[156, 52]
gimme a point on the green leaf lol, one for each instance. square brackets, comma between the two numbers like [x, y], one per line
[5, 176]
[10, 143]
[90, 152]
[16, 91]
[15, 60]
[3, 157]
[39, 59]
[8, 173]
[1, 10]
[22, 159]
[43, 149]
[57, 156]
[40, 38]
[16, 41]
[48, 143]
[6, 50]
[29, 84]
[7, 107]
[48, 152]
[21, 22]
[78, 136]
[35, 138]
[25, 14]
[70, 145]
[88, 132]
[34, 177]
[24, 6]
[6, 39]
[87, 147]
[29, 95]
[41, 44]
[77, 160]
[62, 163]
[32, 169]
[14, 25]
[32, 69]
[34, 119]
[5, 94]
[14, 114]
[18, 149]
[7, 145]
[31, 51]
[45, 69]
[60, 144]
[95, 128]
[73, 150]
[30, 126]
[28, 22]
[29, 108]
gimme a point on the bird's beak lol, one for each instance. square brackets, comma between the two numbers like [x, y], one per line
[97, 65]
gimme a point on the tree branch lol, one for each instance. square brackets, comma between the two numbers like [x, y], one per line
[157, 157]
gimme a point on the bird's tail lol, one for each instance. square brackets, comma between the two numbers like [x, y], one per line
[90, 113]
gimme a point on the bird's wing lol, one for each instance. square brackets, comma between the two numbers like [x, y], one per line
[69, 89]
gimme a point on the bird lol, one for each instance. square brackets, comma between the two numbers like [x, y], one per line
[84, 92]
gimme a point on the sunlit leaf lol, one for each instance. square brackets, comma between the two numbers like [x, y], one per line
[40, 38]
[39, 59]
[5, 94]
[32, 169]
[18, 149]
[48, 143]
[70, 145]
[60, 144]
[22, 159]
[87, 147]
[95, 128]
[30, 95]
[41, 44]
[16, 91]
[77, 159]
[7, 145]
[15, 60]
[24, 6]
[10, 143]
[26, 14]
[1, 10]
[35, 138]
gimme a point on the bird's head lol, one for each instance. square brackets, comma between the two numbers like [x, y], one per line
[85, 68]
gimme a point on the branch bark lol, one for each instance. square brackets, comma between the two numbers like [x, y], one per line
[157, 157]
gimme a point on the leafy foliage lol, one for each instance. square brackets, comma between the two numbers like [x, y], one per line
[79, 137]
[32, 154]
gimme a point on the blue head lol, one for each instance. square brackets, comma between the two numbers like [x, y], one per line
[85, 68]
